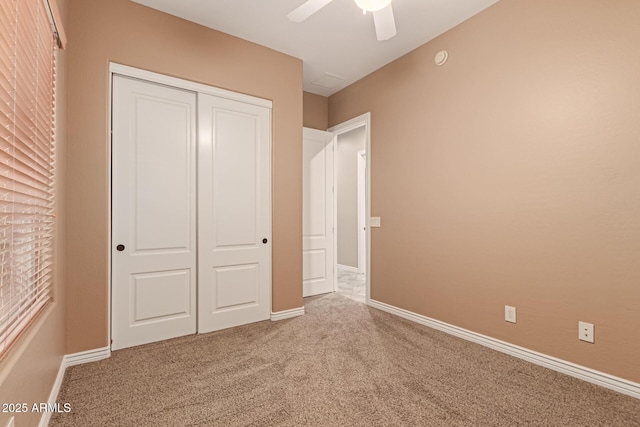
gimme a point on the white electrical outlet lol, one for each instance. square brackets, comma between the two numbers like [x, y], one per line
[510, 314]
[374, 221]
[11, 422]
[585, 332]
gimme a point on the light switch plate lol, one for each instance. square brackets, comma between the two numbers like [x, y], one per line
[510, 314]
[374, 221]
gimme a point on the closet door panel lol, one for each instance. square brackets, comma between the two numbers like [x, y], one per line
[234, 213]
[153, 212]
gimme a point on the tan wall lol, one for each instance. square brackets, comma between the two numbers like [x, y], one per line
[131, 34]
[511, 176]
[30, 368]
[347, 194]
[315, 111]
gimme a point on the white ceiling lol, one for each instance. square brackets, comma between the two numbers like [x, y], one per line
[338, 40]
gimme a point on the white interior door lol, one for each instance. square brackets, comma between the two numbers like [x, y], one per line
[153, 212]
[234, 213]
[317, 213]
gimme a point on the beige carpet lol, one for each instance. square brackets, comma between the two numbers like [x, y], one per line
[341, 364]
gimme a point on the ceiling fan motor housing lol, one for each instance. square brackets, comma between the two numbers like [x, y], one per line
[372, 5]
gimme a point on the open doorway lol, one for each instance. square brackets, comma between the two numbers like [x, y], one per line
[352, 206]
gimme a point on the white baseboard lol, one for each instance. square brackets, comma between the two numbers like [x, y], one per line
[581, 372]
[53, 396]
[287, 314]
[87, 356]
[67, 361]
[349, 268]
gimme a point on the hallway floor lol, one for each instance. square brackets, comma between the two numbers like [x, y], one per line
[351, 284]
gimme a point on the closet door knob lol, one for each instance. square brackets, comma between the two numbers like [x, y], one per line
[120, 248]
[264, 241]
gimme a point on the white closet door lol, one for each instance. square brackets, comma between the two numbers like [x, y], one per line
[317, 213]
[234, 213]
[153, 213]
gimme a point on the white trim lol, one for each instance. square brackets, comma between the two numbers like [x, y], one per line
[362, 214]
[349, 268]
[110, 203]
[187, 85]
[271, 156]
[287, 314]
[67, 361]
[334, 159]
[53, 396]
[356, 122]
[87, 356]
[581, 372]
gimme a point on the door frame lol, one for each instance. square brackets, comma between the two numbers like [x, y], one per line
[150, 76]
[362, 215]
[337, 130]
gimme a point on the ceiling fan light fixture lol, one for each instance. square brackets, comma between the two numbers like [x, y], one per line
[372, 5]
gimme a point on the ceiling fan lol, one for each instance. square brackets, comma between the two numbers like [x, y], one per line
[383, 18]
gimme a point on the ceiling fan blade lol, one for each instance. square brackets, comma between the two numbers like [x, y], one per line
[385, 23]
[307, 9]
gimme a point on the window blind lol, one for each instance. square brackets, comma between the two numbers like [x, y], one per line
[27, 164]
